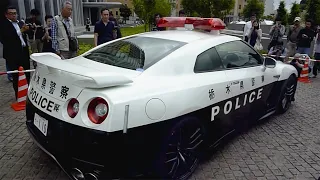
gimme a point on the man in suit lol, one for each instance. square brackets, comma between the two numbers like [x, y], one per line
[15, 47]
[3, 5]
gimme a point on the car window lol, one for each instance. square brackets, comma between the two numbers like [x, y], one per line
[208, 61]
[134, 53]
[238, 54]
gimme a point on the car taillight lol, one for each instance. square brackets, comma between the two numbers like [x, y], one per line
[98, 110]
[73, 107]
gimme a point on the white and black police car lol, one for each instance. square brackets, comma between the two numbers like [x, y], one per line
[151, 104]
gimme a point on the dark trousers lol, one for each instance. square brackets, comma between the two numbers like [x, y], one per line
[316, 65]
[272, 43]
[246, 39]
[13, 64]
[299, 69]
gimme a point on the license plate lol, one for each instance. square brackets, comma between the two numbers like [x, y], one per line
[41, 124]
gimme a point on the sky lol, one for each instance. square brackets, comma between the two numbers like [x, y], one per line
[288, 3]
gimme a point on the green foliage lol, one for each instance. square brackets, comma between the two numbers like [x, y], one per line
[146, 9]
[220, 8]
[313, 11]
[269, 17]
[303, 5]
[253, 7]
[208, 8]
[128, 31]
[125, 31]
[282, 13]
[125, 12]
[84, 48]
[263, 52]
[295, 12]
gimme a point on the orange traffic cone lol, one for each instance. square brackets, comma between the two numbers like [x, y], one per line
[22, 92]
[304, 75]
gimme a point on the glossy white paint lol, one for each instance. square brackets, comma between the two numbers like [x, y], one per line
[166, 90]
[155, 109]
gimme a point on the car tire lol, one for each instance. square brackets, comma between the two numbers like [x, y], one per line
[181, 150]
[287, 94]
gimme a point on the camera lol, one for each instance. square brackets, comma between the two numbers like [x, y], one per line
[31, 26]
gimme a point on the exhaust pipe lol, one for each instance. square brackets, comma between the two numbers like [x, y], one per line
[77, 174]
[91, 176]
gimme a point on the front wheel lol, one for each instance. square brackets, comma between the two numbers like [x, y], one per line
[182, 149]
[287, 94]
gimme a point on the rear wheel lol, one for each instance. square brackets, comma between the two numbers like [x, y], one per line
[287, 94]
[182, 150]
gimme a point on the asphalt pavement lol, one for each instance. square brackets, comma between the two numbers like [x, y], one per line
[282, 147]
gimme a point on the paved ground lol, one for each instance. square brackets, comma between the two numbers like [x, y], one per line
[284, 147]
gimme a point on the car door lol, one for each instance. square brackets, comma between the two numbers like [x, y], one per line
[212, 79]
[249, 81]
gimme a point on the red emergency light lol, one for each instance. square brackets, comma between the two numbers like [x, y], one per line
[209, 24]
[198, 23]
[172, 22]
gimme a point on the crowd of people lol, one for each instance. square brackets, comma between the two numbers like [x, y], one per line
[298, 45]
[56, 36]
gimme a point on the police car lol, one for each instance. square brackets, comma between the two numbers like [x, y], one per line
[151, 104]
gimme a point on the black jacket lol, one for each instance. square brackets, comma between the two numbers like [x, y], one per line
[305, 42]
[12, 49]
[32, 31]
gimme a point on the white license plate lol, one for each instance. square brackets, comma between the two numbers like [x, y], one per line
[41, 124]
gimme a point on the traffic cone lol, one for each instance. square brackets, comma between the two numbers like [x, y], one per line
[22, 92]
[304, 75]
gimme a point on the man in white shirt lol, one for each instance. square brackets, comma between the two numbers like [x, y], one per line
[247, 28]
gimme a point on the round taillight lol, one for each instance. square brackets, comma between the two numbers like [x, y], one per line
[98, 110]
[73, 107]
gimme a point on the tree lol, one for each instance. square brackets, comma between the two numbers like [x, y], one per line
[303, 4]
[295, 12]
[208, 8]
[313, 11]
[125, 12]
[146, 9]
[253, 7]
[220, 8]
[268, 17]
[282, 13]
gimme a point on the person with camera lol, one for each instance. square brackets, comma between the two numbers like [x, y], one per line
[277, 32]
[305, 38]
[293, 32]
[255, 36]
[64, 41]
[35, 31]
[104, 30]
[15, 46]
[316, 53]
[116, 25]
[247, 28]
[46, 39]
[278, 50]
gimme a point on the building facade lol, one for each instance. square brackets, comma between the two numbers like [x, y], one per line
[116, 11]
[235, 14]
[82, 9]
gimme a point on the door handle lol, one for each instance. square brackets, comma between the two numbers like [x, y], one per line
[276, 76]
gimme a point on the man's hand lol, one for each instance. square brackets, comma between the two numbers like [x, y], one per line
[58, 53]
[24, 28]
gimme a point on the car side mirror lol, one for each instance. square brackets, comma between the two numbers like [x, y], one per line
[269, 62]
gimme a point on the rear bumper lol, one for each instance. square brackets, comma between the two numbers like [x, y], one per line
[88, 150]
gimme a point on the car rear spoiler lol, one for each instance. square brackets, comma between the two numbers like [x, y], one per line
[92, 77]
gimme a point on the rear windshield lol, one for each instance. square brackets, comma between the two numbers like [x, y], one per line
[136, 53]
